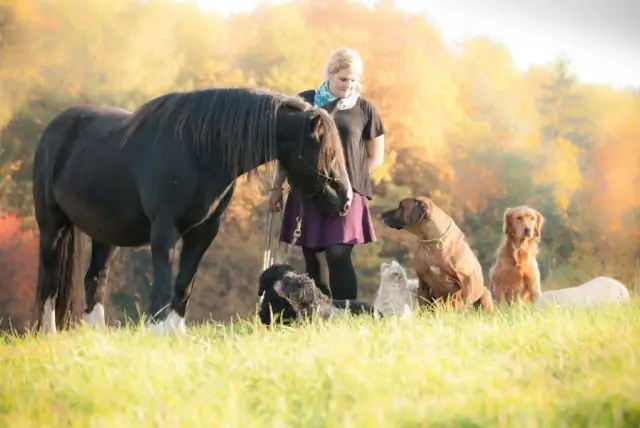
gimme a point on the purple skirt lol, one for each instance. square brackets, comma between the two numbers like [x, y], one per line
[319, 231]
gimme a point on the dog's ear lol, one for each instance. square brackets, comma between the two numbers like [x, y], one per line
[270, 275]
[419, 210]
[384, 266]
[539, 223]
[507, 223]
[278, 288]
[266, 280]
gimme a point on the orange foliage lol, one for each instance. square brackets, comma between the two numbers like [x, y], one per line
[620, 173]
[617, 162]
[18, 269]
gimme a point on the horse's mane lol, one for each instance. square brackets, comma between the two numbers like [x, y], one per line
[235, 118]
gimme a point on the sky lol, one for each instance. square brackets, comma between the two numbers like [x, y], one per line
[601, 37]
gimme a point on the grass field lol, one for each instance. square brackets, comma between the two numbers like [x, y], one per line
[553, 368]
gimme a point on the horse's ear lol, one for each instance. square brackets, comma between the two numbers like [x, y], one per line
[317, 126]
[332, 106]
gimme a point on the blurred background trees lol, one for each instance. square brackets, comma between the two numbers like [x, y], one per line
[465, 127]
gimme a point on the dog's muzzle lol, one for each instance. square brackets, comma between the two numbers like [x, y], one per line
[393, 219]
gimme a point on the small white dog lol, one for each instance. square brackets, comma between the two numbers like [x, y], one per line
[601, 289]
[397, 294]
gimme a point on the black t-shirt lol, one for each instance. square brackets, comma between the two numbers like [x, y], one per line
[356, 125]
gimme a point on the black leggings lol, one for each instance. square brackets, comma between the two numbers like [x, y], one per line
[342, 275]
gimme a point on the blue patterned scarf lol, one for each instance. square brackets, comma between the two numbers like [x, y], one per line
[324, 97]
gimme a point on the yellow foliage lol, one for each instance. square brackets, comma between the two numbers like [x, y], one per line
[560, 168]
[384, 171]
[618, 161]
[21, 24]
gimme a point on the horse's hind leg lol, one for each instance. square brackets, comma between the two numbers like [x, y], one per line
[47, 290]
[95, 283]
[57, 257]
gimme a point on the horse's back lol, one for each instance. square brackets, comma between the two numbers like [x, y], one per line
[67, 125]
[80, 167]
[60, 136]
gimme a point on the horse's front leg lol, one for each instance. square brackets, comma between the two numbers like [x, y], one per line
[194, 244]
[164, 236]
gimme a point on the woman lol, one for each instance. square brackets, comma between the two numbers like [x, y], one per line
[362, 134]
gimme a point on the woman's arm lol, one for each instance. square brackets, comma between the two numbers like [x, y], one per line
[279, 177]
[373, 136]
[375, 152]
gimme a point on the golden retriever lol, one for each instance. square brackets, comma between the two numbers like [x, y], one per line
[446, 266]
[515, 275]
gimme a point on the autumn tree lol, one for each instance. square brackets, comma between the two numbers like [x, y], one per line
[18, 271]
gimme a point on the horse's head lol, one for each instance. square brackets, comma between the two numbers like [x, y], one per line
[310, 150]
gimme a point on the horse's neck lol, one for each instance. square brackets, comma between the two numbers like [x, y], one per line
[232, 172]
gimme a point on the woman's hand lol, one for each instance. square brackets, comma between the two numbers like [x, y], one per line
[375, 152]
[275, 200]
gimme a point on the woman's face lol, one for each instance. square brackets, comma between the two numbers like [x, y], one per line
[342, 83]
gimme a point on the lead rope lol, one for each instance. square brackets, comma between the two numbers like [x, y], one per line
[270, 256]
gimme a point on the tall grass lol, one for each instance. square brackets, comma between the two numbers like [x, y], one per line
[522, 368]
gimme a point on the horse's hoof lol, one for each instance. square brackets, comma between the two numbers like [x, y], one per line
[48, 325]
[95, 318]
[172, 325]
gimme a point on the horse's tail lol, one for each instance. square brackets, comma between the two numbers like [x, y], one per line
[65, 257]
[69, 258]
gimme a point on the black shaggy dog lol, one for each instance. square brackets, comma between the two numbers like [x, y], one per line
[291, 295]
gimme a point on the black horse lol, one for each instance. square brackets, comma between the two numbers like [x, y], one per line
[166, 172]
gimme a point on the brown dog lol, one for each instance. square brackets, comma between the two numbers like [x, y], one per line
[446, 266]
[515, 275]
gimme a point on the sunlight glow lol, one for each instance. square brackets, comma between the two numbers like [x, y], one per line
[593, 60]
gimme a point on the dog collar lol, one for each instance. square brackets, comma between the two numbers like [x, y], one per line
[438, 240]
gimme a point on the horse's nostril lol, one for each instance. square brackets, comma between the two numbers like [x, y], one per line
[345, 209]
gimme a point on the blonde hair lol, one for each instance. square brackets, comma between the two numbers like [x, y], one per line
[341, 59]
